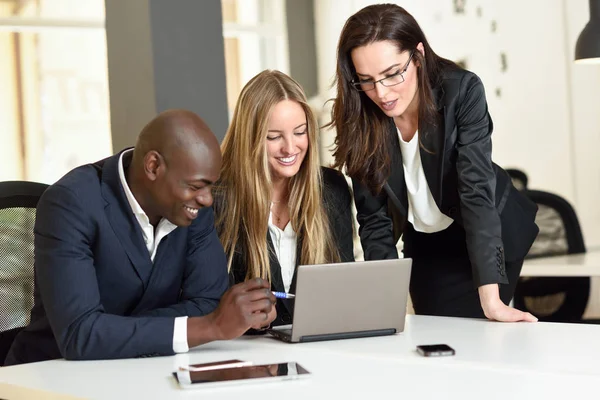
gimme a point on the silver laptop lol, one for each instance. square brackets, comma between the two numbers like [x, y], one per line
[348, 300]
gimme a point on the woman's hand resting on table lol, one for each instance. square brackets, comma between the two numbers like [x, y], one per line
[496, 310]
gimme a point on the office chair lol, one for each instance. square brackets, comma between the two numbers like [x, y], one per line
[554, 299]
[518, 177]
[18, 200]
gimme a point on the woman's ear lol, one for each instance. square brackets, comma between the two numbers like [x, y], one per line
[420, 49]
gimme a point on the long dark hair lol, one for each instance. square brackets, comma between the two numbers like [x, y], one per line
[362, 141]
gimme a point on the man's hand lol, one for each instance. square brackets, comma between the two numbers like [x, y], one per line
[495, 309]
[272, 316]
[246, 305]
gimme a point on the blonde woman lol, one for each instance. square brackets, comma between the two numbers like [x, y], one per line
[276, 207]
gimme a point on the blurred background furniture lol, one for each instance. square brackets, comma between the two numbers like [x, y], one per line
[18, 201]
[554, 299]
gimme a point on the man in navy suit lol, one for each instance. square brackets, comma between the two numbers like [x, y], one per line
[127, 260]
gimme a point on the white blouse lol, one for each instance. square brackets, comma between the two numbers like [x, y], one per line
[423, 212]
[284, 242]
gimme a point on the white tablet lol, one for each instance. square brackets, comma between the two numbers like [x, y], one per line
[238, 375]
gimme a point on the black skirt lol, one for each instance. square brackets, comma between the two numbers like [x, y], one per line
[441, 277]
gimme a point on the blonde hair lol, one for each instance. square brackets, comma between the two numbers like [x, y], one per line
[245, 184]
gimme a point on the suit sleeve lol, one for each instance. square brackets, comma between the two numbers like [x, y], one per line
[66, 280]
[375, 226]
[205, 277]
[476, 184]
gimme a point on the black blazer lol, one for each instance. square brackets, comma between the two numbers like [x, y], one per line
[466, 185]
[98, 295]
[337, 201]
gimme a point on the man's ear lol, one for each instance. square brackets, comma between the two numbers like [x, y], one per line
[154, 165]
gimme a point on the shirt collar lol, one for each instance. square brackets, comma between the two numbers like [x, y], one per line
[135, 206]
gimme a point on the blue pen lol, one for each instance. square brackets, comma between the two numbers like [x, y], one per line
[283, 295]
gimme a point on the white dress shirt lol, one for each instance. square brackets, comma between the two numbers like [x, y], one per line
[152, 240]
[284, 242]
[423, 212]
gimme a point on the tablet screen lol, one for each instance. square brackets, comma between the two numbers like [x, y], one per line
[280, 371]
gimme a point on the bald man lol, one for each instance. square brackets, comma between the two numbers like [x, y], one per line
[127, 260]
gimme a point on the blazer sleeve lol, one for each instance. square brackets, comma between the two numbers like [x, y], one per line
[205, 277]
[375, 226]
[476, 184]
[66, 280]
[339, 204]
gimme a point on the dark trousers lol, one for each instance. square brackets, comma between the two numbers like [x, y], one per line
[441, 279]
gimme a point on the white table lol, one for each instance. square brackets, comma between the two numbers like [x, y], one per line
[586, 264]
[539, 360]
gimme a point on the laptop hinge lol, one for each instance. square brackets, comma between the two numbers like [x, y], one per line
[347, 335]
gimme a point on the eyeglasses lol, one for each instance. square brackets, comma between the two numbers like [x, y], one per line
[391, 80]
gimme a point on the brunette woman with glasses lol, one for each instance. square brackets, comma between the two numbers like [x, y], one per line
[414, 134]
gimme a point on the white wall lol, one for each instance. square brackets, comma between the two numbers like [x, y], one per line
[585, 129]
[546, 118]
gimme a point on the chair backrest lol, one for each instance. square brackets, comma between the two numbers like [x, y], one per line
[18, 201]
[554, 299]
[518, 177]
[560, 232]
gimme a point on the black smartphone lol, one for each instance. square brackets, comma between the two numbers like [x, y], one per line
[435, 350]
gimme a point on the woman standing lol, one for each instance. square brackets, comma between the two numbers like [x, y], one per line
[414, 134]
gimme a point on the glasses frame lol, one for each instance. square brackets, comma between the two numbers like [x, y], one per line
[357, 84]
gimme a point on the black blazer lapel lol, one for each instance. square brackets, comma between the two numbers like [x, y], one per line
[395, 186]
[277, 279]
[161, 262]
[122, 220]
[432, 155]
[298, 259]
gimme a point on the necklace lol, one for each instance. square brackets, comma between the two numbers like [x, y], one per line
[281, 199]
[278, 217]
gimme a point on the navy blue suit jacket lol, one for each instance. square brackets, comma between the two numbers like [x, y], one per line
[97, 293]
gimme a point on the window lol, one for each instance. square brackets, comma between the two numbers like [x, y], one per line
[255, 39]
[54, 109]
